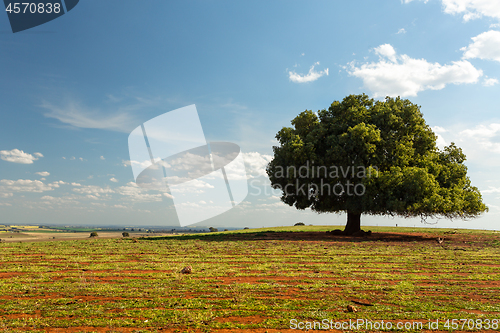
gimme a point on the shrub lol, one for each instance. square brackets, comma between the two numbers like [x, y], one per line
[93, 234]
[212, 229]
[125, 234]
[299, 223]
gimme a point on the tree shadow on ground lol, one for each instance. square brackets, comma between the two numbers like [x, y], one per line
[305, 236]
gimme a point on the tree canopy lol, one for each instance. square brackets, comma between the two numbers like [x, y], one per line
[364, 156]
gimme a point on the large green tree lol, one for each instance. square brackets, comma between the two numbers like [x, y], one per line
[362, 156]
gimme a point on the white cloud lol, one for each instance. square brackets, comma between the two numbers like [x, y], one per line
[26, 185]
[135, 193]
[92, 190]
[56, 184]
[256, 164]
[59, 200]
[386, 51]
[194, 186]
[197, 163]
[400, 75]
[6, 195]
[491, 189]
[142, 165]
[19, 156]
[488, 82]
[479, 143]
[311, 76]
[102, 158]
[43, 173]
[484, 46]
[439, 129]
[440, 142]
[401, 31]
[114, 180]
[472, 9]
[484, 136]
[76, 184]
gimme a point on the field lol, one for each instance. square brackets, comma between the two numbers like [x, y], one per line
[39, 234]
[260, 280]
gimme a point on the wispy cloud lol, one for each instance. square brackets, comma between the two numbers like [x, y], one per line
[489, 82]
[231, 105]
[311, 76]
[408, 1]
[401, 31]
[19, 156]
[43, 173]
[79, 116]
[401, 75]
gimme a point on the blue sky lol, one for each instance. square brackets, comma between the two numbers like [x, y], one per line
[73, 89]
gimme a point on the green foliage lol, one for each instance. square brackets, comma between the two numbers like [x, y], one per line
[387, 150]
[212, 229]
[125, 234]
[93, 234]
[299, 223]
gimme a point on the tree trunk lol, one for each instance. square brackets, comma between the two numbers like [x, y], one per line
[353, 223]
